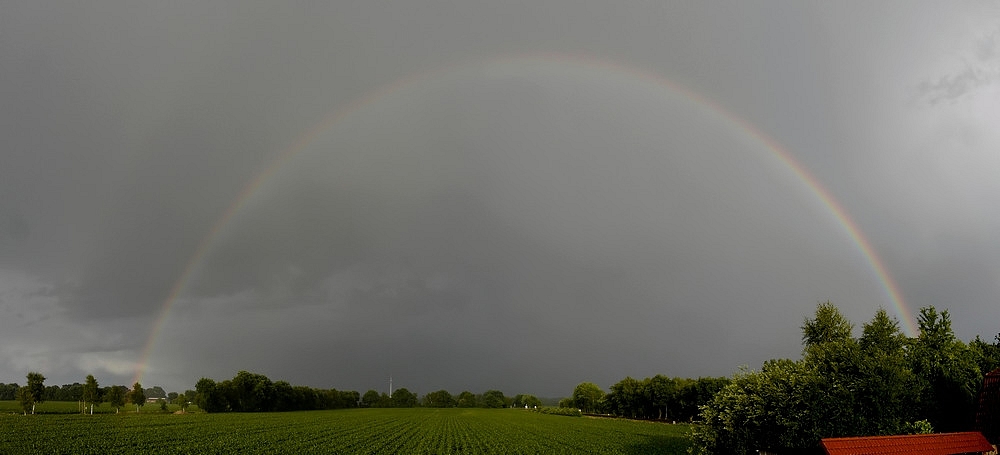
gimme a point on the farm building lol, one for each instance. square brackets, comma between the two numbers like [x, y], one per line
[987, 422]
[971, 442]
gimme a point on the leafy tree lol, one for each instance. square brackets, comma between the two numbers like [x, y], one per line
[172, 397]
[661, 391]
[948, 376]
[209, 397]
[36, 385]
[828, 325]
[370, 399]
[26, 399]
[882, 334]
[403, 398]
[163, 403]
[494, 399]
[773, 408]
[692, 394]
[182, 401]
[439, 399]
[285, 397]
[588, 397]
[885, 387]
[116, 396]
[987, 355]
[526, 401]
[625, 398]
[349, 398]
[137, 396]
[155, 392]
[566, 402]
[466, 399]
[91, 393]
[252, 393]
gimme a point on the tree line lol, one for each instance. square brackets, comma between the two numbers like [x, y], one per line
[89, 394]
[659, 397]
[881, 383]
[251, 392]
[76, 391]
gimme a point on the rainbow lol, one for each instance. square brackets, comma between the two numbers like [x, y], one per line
[572, 62]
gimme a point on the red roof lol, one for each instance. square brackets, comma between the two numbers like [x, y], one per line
[917, 444]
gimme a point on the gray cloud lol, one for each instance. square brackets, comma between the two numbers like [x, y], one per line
[979, 69]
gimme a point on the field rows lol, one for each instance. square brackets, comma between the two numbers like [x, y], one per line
[368, 431]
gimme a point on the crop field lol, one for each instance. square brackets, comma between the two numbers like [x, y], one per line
[368, 431]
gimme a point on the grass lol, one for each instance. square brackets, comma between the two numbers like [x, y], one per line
[73, 407]
[368, 431]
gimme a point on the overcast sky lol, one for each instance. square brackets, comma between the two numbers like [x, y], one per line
[472, 195]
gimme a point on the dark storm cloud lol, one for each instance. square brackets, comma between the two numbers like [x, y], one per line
[524, 226]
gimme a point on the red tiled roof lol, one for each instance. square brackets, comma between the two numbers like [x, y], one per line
[917, 444]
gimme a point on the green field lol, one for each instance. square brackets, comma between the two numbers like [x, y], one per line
[72, 407]
[374, 431]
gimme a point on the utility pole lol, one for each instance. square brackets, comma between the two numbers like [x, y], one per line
[390, 386]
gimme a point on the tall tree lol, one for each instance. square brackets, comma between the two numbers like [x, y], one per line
[588, 396]
[26, 399]
[987, 354]
[946, 372]
[370, 399]
[137, 396]
[467, 399]
[116, 396]
[439, 399]
[885, 388]
[403, 398]
[626, 398]
[882, 334]
[209, 397]
[252, 392]
[91, 393]
[36, 384]
[661, 391]
[494, 399]
[182, 402]
[826, 326]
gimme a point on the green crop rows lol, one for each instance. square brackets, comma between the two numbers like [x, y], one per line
[370, 431]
